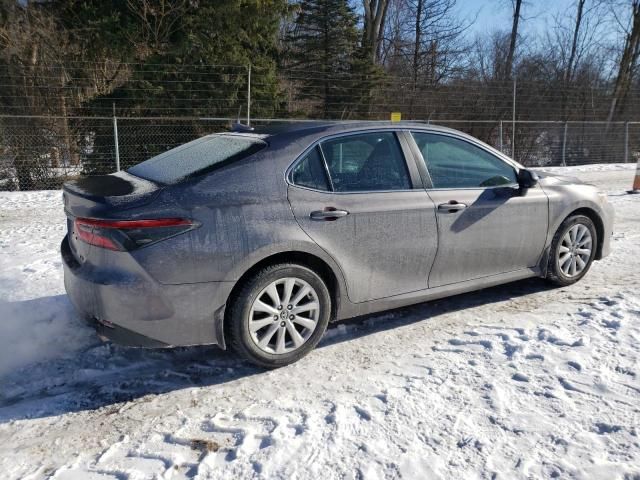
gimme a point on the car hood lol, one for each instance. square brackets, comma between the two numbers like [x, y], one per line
[549, 178]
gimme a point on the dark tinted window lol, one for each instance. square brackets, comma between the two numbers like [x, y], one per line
[310, 172]
[454, 163]
[366, 162]
[197, 157]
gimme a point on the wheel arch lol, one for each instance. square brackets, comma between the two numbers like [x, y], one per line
[309, 260]
[597, 221]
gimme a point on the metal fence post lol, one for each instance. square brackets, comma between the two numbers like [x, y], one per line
[500, 130]
[249, 97]
[626, 142]
[513, 123]
[115, 138]
[564, 145]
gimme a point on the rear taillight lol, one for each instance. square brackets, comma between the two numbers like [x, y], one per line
[129, 234]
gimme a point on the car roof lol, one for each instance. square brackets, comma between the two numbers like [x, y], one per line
[313, 127]
[303, 132]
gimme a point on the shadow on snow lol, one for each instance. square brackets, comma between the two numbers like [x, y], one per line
[103, 374]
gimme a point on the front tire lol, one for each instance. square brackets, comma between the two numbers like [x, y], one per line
[279, 315]
[573, 250]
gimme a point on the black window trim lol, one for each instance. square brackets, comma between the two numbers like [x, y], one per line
[408, 156]
[421, 160]
[325, 165]
[418, 161]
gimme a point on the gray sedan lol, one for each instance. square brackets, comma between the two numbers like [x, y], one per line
[258, 239]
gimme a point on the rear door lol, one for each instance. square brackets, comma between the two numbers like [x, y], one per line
[487, 225]
[359, 199]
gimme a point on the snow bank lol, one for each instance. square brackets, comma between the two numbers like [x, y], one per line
[37, 322]
[39, 330]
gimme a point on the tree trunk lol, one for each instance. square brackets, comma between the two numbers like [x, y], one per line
[418, 43]
[568, 72]
[375, 12]
[574, 44]
[325, 63]
[383, 22]
[628, 63]
[433, 57]
[512, 44]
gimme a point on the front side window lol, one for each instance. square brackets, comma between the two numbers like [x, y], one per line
[454, 163]
[366, 162]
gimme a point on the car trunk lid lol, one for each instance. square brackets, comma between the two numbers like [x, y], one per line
[102, 196]
[99, 195]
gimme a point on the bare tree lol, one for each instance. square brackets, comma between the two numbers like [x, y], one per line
[159, 19]
[574, 56]
[393, 34]
[375, 12]
[436, 38]
[583, 38]
[423, 40]
[628, 63]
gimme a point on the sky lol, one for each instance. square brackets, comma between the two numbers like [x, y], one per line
[497, 14]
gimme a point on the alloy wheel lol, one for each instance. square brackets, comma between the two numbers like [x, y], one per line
[284, 315]
[574, 251]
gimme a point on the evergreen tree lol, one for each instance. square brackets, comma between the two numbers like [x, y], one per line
[322, 54]
[198, 67]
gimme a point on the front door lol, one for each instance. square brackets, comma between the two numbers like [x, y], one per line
[355, 196]
[487, 225]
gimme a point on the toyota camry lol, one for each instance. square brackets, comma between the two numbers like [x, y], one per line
[257, 239]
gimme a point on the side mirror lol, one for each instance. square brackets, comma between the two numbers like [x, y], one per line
[527, 178]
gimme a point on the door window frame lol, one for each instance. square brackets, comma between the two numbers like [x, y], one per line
[424, 171]
[406, 150]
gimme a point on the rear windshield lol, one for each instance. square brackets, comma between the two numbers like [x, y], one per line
[196, 157]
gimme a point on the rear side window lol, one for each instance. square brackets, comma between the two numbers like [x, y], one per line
[366, 162]
[454, 163]
[310, 172]
[197, 157]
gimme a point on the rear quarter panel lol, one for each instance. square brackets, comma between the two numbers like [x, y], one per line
[245, 217]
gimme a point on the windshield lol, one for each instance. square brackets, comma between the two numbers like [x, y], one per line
[196, 157]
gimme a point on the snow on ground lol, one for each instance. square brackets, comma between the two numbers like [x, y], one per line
[517, 381]
[599, 167]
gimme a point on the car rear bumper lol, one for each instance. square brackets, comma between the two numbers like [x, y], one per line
[123, 336]
[131, 308]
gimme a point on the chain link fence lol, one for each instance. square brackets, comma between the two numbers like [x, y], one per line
[555, 143]
[42, 152]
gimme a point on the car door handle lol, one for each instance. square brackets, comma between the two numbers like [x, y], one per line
[328, 214]
[451, 207]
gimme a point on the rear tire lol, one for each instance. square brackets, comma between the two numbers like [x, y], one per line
[573, 250]
[279, 315]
